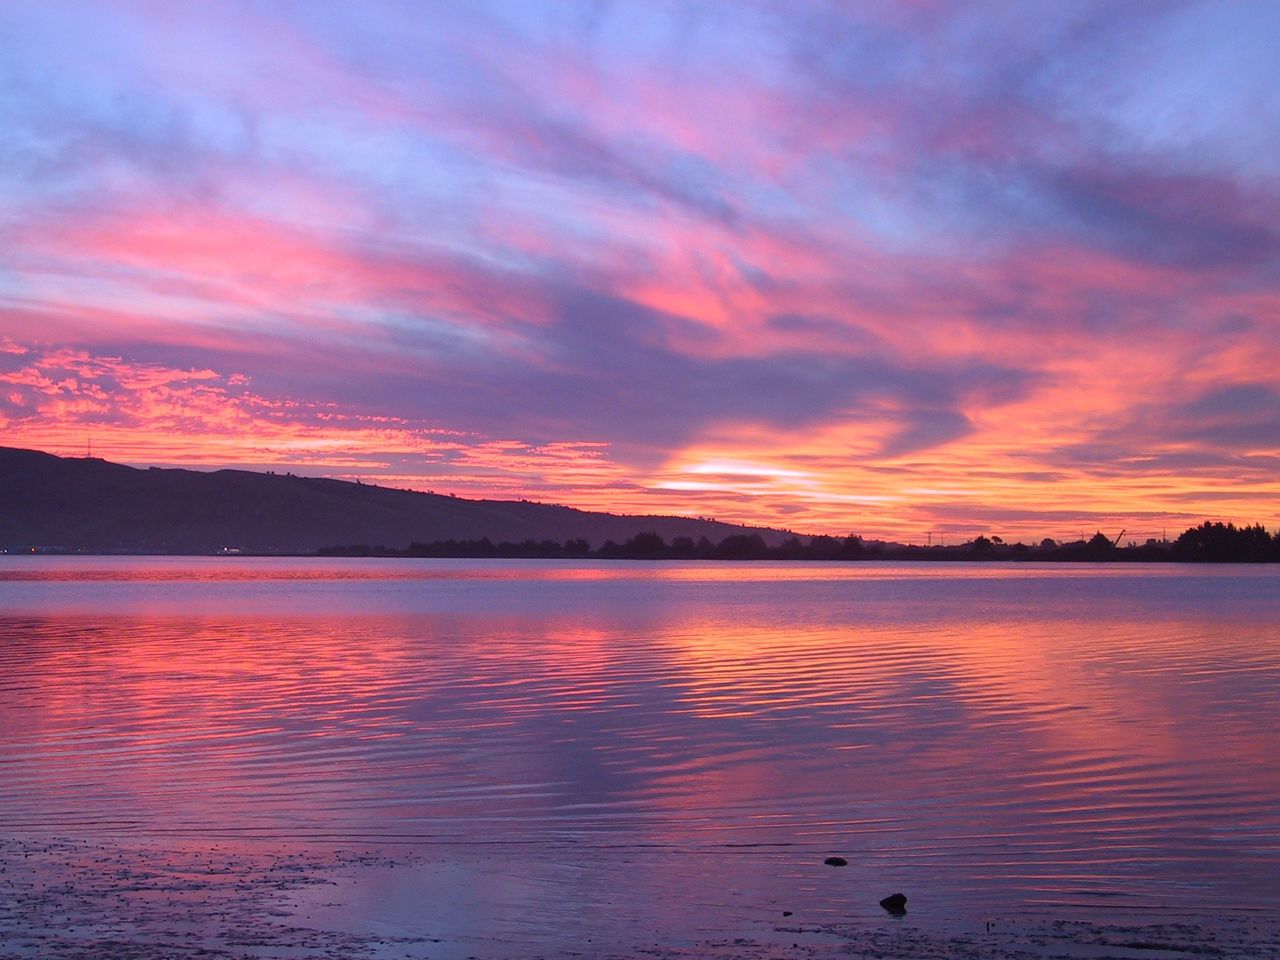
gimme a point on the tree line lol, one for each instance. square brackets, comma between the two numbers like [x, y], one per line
[1210, 542]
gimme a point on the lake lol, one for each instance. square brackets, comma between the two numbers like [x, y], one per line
[539, 751]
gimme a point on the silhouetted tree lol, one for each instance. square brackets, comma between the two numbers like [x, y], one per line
[790, 549]
[1213, 542]
[742, 546]
[982, 548]
[824, 548]
[682, 548]
[852, 548]
[1224, 543]
[1099, 547]
[645, 546]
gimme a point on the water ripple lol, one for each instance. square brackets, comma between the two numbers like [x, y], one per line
[1042, 734]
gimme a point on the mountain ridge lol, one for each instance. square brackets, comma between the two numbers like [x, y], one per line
[94, 505]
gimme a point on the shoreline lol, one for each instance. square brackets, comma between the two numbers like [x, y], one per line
[888, 559]
[159, 898]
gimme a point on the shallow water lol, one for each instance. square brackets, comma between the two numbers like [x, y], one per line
[661, 750]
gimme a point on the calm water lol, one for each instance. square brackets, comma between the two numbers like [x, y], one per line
[679, 742]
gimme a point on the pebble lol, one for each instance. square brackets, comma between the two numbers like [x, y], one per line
[895, 903]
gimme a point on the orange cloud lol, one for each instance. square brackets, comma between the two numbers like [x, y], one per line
[62, 400]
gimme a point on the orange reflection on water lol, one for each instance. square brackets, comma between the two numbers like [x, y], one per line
[970, 722]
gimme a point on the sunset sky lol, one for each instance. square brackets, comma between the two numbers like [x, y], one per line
[886, 267]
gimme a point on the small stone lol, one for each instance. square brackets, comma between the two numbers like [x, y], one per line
[786, 913]
[895, 903]
[836, 862]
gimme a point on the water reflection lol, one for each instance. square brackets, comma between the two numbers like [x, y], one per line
[1027, 736]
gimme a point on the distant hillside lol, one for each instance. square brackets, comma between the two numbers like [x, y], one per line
[99, 506]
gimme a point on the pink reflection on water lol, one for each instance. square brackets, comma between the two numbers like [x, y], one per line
[1015, 736]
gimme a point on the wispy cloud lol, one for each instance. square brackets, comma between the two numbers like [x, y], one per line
[918, 266]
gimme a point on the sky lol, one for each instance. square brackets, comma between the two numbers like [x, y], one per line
[916, 270]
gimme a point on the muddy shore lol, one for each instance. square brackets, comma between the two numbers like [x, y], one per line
[74, 899]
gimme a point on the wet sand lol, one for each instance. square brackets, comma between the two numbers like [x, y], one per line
[64, 899]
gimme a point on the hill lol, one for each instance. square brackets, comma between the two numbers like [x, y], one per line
[91, 504]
